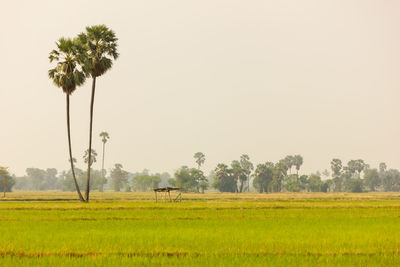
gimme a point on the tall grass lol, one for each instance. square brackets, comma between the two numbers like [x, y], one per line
[227, 231]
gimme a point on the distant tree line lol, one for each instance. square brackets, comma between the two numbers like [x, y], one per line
[283, 176]
[50, 179]
[238, 177]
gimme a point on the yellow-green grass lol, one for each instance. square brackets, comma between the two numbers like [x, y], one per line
[121, 229]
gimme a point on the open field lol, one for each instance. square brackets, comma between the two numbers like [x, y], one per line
[120, 229]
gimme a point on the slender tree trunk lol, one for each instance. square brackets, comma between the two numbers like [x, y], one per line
[102, 163]
[70, 153]
[102, 167]
[4, 187]
[90, 139]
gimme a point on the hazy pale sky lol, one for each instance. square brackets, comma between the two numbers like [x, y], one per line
[267, 78]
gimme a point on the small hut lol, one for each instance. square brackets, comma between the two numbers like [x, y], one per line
[167, 191]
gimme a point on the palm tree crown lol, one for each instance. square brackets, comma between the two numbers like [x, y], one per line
[100, 48]
[67, 74]
[104, 136]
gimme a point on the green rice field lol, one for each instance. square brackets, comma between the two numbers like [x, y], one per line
[130, 229]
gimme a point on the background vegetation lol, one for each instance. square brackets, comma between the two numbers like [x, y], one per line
[238, 177]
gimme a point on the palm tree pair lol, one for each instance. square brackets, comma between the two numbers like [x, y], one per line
[91, 54]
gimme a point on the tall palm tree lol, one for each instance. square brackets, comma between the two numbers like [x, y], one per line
[104, 135]
[67, 76]
[100, 49]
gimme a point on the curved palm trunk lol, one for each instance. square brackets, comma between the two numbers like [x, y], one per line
[90, 139]
[70, 153]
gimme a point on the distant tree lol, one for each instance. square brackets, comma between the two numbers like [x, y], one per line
[280, 172]
[104, 138]
[304, 182]
[98, 180]
[119, 177]
[316, 184]
[353, 185]
[297, 161]
[263, 177]
[290, 162]
[283, 165]
[238, 174]
[50, 180]
[371, 179]
[223, 179]
[328, 185]
[36, 177]
[382, 167]
[165, 176]
[360, 166]
[67, 181]
[6, 181]
[22, 183]
[355, 167]
[92, 157]
[145, 182]
[200, 158]
[67, 76]
[183, 179]
[336, 166]
[210, 177]
[100, 45]
[172, 182]
[382, 170]
[391, 180]
[155, 181]
[198, 177]
[292, 183]
[367, 167]
[248, 167]
[189, 179]
[203, 186]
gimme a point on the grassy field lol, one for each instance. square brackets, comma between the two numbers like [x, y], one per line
[125, 229]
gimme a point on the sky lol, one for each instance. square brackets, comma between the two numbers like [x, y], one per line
[225, 77]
